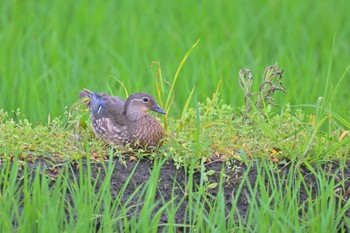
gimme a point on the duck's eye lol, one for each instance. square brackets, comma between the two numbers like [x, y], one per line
[145, 99]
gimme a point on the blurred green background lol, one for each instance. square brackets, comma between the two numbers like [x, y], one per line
[52, 49]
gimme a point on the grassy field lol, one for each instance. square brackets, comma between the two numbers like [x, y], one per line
[285, 169]
[51, 50]
[81, 201]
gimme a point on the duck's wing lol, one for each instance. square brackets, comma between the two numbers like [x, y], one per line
[106, 106]
[115, 102]
[115, 109]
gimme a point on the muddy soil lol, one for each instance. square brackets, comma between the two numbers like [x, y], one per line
[169, 174]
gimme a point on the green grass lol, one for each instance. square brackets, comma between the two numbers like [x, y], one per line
[274, 203]
[52, 50]
[212, 131]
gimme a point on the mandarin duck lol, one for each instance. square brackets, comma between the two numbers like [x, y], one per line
[125, 122]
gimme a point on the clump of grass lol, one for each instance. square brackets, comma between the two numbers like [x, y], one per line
[208, 131]
[271, 82]
[169, 95]
[283, 138]
[19, 138]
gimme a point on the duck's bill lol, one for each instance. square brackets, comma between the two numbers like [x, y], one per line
[158, 109]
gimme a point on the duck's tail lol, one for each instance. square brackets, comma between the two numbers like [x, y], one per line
[95, 103]
[85, 93]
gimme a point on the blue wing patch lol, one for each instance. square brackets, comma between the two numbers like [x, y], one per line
[97, 105]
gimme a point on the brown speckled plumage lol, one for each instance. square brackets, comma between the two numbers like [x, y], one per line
[120, 122]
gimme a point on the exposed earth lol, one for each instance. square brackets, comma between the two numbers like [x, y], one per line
[233, 178]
